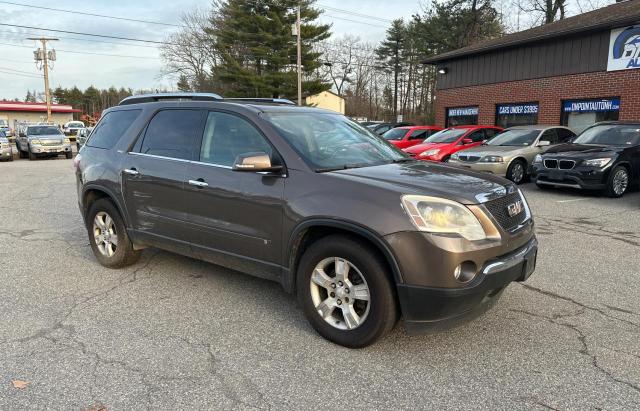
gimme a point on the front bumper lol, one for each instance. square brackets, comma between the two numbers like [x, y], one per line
[39, 149]
[499, 169]
[587, 178]
[6, 153]
[431, 308]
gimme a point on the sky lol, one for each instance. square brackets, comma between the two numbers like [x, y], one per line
[81, 60]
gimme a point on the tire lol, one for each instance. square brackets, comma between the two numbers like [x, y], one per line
[446, 159]
[618, 182]
[68, 154]
[21, 154]
[11, 157]
[108, 254]
[367, 277]
[31, 155]
[517, 171]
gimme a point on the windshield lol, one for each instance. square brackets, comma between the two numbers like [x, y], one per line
[76, 125]
[446, 136]
[395, 134]
[42, 131]
[514, 138]
[610, 135]
[3, 123]
[331, 141]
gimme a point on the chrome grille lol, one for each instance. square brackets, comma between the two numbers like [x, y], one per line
[50, 142]
[566, 164]
[500, 211]
[550, 163]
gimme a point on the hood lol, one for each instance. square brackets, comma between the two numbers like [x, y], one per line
[437, 180]
[419, 148]
[584, 150]
[488, 150]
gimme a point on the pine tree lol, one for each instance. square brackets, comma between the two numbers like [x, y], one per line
[258, 51]
[30, 98]
[183, 83]
[390, 52]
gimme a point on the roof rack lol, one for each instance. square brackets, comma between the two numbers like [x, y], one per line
[262, 100]
[150, 98]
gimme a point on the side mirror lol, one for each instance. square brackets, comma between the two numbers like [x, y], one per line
[544, 143]
[255, 162]
[467, 141]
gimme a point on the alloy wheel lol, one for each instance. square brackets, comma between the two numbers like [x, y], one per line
[104, 234]
[620, 181]
[340, 293]
[517, 173]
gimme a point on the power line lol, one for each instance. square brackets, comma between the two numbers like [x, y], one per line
[92, 14]
[17, 71]
[83, 34]
[354, 13]
[20, 74]
[86, 52]
[79, 39]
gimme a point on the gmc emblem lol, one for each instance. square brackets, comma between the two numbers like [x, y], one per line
[515, 208]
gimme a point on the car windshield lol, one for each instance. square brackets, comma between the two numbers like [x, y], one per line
[76, 125]
[446, 136]
[610, 135]
[332, 142]
[3, 123]
[514, 138]
[42, 131]
[395, 134]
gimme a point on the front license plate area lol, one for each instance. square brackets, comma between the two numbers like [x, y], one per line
[556, 175]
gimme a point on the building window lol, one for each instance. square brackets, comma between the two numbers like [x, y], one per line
[580, 114]
[461, 116]
[516, 114]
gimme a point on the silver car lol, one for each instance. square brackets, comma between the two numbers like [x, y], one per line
[6, 152]
[42, 140]
[511, 153]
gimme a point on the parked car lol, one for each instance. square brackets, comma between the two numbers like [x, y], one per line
[6, 152]
[381, 128]
[42, 140]
[71, 128]
[349, 227]
[510, 153]
[605, 156]
[407, 136]
[4, 127]
[82, 136]
[443, 144]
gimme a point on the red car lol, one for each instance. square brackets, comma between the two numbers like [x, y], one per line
[403, 137]
[441, 145]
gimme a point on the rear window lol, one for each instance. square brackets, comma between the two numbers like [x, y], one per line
[111, 127]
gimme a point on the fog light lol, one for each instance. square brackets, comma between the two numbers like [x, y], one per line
[465, 272]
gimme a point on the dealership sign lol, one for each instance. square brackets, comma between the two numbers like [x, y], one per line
[577, 106]
[624, 49]
[506, 109]
[463, 111]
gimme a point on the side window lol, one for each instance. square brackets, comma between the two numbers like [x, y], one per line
[418, 135]
[227, 136]
[111, 127]
[384, 129]
[565, 134]
[172, 133]
[477, 136]
[550, 135]
[490, 132]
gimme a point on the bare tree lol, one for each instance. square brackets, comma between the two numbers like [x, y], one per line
[190, 53]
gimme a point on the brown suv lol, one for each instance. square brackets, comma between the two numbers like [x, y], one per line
[359, 232]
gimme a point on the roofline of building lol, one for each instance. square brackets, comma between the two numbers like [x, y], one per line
[41, 110]
[626, 20]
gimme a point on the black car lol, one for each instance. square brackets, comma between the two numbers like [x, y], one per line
[606, 156]
[362, 234]
[381, 128]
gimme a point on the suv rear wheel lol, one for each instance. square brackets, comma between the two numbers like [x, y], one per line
[618, 182]
[345, 292]
[108, 237]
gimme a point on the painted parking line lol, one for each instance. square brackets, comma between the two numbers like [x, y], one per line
[571, 201]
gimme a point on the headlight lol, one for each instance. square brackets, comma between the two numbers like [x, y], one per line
[35, 142]
[597, 162]
[437, 215]
[67, 141]
[537, 159]
[430, 153]
[492, 159]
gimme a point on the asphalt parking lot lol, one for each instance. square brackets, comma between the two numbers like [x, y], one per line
[176, 333]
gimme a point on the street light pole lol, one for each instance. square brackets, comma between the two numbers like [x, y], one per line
[44, 57]
[299, 57]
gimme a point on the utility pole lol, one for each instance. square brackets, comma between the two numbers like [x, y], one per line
[299, 41]
[44, 56]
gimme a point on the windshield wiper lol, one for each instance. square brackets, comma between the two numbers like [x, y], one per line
[403, 160]
[343, 167]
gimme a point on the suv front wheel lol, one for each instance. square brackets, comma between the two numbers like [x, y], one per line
[108, 237]
[345, 291]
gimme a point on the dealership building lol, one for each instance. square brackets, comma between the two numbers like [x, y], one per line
[15, 112]
[573, 72]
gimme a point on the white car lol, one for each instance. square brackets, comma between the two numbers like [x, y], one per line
[71, 128]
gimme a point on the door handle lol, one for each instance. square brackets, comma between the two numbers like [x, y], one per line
[131, 171]
[198, 183]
